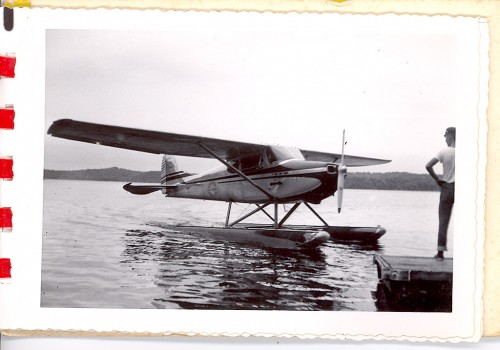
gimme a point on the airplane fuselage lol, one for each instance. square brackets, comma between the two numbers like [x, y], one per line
[287, 181]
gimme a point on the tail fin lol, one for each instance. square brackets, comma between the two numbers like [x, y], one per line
[170, 173]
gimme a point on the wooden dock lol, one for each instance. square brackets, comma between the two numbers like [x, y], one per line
[417, 281]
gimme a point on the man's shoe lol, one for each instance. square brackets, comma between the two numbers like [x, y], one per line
[438, 257]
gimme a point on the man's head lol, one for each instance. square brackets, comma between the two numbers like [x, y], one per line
[450, 136]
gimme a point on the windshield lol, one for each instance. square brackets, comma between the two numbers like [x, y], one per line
[279, 153]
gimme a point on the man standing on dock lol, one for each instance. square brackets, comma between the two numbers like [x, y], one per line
[447, 184]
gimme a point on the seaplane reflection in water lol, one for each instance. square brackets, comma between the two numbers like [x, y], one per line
[263, 175]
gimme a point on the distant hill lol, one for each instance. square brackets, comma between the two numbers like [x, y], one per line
[107, 174]
[398, 181]
[378, 181]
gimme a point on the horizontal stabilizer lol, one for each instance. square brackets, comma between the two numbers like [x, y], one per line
[145, 188]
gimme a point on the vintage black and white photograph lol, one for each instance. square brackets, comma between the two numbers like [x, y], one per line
[244, 161]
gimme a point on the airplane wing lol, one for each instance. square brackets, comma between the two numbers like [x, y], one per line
[150, 141]
[350, 161]
[176, 144]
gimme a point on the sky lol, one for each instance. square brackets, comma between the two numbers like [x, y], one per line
[392, 82]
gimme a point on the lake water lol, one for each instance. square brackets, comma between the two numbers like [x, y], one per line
[99, 252]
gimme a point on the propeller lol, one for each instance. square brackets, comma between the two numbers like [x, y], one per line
[342, 170]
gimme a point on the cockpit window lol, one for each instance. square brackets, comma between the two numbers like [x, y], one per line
[264, 159]
[250, 162]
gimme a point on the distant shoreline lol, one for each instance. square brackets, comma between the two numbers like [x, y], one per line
[398, 181]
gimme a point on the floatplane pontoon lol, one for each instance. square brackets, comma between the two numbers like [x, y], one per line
[263, 175]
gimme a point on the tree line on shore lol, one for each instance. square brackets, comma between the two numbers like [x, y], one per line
[398, 181]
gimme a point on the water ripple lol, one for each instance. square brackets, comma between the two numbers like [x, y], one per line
[99, 252]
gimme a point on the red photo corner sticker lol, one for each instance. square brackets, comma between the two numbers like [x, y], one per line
[7, 118]
[6, 171]
[5, 218]
[5, 267]
[7, 66]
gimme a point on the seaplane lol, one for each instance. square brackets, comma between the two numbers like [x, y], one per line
[257, 174]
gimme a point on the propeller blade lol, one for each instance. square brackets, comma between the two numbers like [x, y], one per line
[342, 170]
[343, 144]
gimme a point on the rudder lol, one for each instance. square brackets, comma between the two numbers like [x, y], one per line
[170, 173]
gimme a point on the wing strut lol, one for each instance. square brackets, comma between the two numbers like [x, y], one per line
[237, 171]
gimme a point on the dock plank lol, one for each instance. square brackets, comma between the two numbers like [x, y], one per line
[416, 267]
[409, 278]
